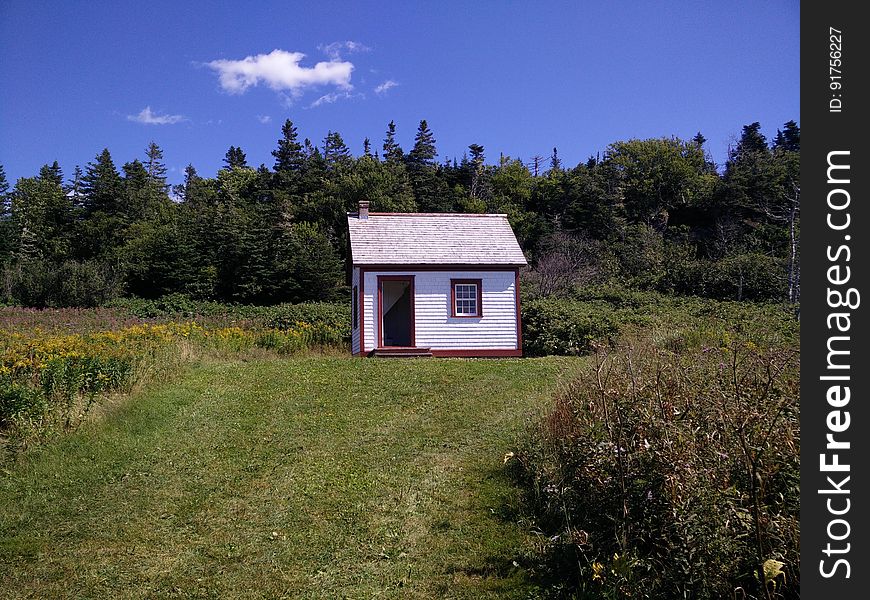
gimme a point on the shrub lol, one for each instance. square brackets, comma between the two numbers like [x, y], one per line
[281, 316]
[564, 327]
[41, 283]
[658, 474]
[740, 277]
[331, 314]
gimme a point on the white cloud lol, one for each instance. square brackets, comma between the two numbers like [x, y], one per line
[332, 97]
[280, 70]
[148, 117]
[264, 119]
[336, 49]
[385, 86]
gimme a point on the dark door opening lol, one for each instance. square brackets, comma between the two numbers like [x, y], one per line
[397, 312]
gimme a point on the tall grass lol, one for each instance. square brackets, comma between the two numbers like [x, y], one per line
[662, 473]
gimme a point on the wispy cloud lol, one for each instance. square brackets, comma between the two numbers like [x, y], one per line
[281, 71]
[335, 50]
[333, 97]
[149, 117]
[264, 119]
[385, 87]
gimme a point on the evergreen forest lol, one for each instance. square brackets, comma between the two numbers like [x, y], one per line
[654, 214]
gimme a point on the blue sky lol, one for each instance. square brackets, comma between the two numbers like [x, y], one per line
[518, 78]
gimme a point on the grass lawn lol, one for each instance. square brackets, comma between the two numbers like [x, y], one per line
[316, 477]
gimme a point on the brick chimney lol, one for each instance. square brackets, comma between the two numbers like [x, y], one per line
[364, 210]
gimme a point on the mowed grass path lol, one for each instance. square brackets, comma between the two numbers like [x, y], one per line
[311, 477]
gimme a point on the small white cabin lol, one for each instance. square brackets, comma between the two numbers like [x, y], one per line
[434, 283]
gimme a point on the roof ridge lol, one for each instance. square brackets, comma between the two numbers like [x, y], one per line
[430, 214]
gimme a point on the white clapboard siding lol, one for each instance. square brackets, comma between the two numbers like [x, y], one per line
[354, 335]
[496, 329]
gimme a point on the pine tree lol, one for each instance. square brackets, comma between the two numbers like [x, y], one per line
[789, 139]
[74, 188]
[135, 175]
[335, 151]
[41, 215]
[51, 173]
[699, 139]
[751, 140]
[235, 159]
[478, 180]
[289, 156]
[477, 157]
[102, 186]
[6, 231]
[367, 147]
[555, 162]
[423, 152]
[145, 197]
[392, 150]
[154, 166]
[4, 184]
[183, 191]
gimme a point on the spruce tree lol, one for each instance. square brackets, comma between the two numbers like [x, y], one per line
[101, 185]
[479, 182]
[289, 156]
[6, 243]
[154, 166]
[74, 188]
[4, 183]
[51, 173]
[555, 162]
[135, 175]
[41, 215]
[392, 150]
[235, 159]
[788, 139]
[751, 140]
[335, 151]
[423, 152]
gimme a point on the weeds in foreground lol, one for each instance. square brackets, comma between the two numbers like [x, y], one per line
[664, 474]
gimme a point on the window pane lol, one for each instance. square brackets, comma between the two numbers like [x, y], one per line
[465, 299]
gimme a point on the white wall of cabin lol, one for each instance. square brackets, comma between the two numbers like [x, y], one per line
[496, 329]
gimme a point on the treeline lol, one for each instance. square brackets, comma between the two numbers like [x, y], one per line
[653, 214]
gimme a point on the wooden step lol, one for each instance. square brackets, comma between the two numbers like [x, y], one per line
[400, 352]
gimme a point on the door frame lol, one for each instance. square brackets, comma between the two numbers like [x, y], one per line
[412, 324]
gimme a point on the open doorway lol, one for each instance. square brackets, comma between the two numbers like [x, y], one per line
[396, 310]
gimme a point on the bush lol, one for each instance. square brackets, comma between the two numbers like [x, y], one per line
[170, 305]
[660, 475]
[741, 277]
[335, 315]
[40, 283]
[331, 314]
[565, 327]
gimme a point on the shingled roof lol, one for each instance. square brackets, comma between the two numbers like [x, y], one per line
[433, 238]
